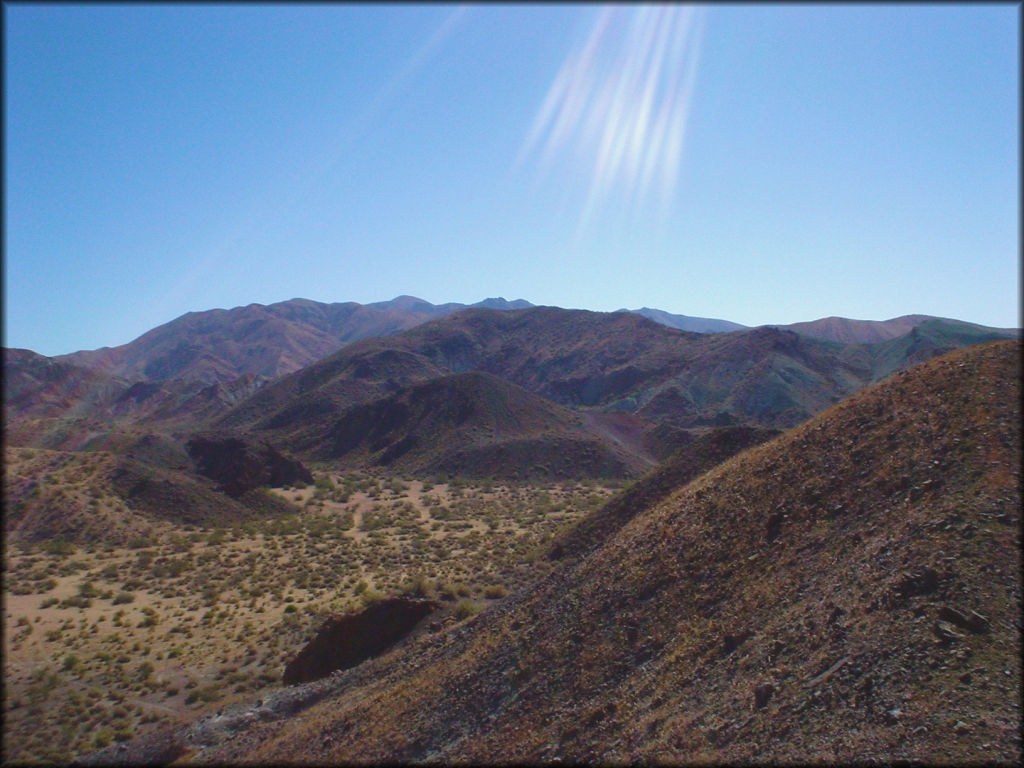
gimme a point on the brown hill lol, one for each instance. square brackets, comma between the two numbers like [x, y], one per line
[847, 331]
[39, 390]
[99, 496]
[848, 591]
[687, 463]
[612, 362]
[36, 386]
[467, 424]
[220, 345]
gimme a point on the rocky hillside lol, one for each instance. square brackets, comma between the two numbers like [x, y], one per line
[688, 462]
[36, 386]
[40, 391]
[470, 425]
[239, 466]
[850, 590]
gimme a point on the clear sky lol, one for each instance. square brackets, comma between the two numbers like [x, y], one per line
[761, 164]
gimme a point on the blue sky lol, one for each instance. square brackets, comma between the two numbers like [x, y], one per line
[762, 164]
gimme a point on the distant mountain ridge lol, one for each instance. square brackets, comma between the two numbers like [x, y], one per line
[594, 363]
[687, 323]
[847, 331]
[219, 345]
[270, 341]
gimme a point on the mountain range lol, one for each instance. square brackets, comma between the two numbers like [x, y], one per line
[220, 345]
[269, 341]
[502, 389]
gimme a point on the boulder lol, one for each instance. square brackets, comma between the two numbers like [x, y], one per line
[239, 465]
[347, 640]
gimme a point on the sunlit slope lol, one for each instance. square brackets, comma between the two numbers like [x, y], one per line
[45, 397]
[94, 496]
[686, 464]
[849, 590]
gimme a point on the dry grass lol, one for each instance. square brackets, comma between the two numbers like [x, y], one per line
[105, 643]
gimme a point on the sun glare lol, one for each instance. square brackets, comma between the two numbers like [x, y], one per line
[619, 106]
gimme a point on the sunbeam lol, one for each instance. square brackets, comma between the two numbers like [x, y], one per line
[620, 103]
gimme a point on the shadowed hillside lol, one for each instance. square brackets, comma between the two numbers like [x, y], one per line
[468, 424]
[849, 590]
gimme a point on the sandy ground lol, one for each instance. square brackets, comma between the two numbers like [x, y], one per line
[236, 644]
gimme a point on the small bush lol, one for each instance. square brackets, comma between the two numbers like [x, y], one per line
[419, 586]
[58, 547]
[102, 738]
[75, 601]
[466, 608]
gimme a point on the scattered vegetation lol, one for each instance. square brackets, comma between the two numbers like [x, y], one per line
[167, 625]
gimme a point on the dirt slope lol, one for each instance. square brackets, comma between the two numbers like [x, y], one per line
[849, 590]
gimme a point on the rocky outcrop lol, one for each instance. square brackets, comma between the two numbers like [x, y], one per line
[239, 466]
[345, 641]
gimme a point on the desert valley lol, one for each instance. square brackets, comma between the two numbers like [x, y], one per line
[503, 533]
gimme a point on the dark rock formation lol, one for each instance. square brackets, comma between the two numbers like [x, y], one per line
[239, 466]
[345, 641]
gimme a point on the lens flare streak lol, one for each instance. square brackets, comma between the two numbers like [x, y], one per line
[619, 104]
